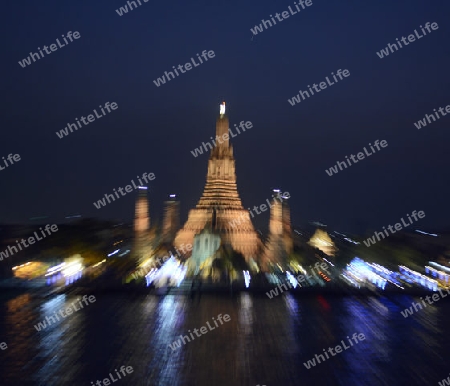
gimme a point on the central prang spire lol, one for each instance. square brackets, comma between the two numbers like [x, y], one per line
[222, 128]
[222, 108]
[220, 204]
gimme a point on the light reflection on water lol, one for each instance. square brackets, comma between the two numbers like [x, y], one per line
[245, 332]
[265, 342]
[165, 366]
[17, 315]
[58, 343]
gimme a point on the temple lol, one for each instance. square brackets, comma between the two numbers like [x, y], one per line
[171, 220]
[219, 228]
[279, 245]
[220, 202]
[143, 237]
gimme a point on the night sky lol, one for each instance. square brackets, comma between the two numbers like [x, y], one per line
[154, 128]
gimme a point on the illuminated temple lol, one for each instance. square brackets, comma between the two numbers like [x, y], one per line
[220, 207]
[279, 244]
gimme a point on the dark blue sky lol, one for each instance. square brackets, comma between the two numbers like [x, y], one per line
[155, 128]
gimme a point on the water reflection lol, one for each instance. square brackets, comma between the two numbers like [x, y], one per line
[266, 341]
[62, 342]
[168, 324]
[18, 335]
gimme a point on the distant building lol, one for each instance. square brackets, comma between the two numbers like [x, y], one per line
[171, 221]
[322, 241]
[143, 239]
[279, 244]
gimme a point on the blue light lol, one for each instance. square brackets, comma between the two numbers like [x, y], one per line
[247, 278]
[292, 279]
[425, 233]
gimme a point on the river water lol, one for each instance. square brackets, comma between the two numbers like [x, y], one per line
[265, 342]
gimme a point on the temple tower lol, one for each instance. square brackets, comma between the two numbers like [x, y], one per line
[220, 196]
[141, 216]
[171, 221]
[141, 244]
[288, 238]
[280, 243]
